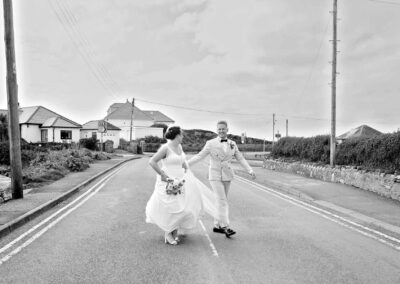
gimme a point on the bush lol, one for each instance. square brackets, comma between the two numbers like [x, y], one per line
[378, 152]
[4, 153]
[76, 164]
[314, 149]
[154, 139]
[88, 143]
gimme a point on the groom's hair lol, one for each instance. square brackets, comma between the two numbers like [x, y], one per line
[222, 122]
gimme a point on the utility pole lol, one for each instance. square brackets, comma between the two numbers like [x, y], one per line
[133, 106]
[287, 127]
[273, 129]
[333, 103]
[12, 96]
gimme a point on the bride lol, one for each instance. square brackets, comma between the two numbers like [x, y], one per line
[179, 208]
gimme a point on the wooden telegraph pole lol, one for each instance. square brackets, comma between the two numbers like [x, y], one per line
[287, 127]
[273, 129]
[333, 103]
[12, 96]
[133, 106]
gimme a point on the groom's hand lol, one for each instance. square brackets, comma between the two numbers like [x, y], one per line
[253, 175]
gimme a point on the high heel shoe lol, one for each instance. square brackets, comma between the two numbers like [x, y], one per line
[175, 235]
[168, 239]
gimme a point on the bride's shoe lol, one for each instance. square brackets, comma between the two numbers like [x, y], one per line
[175, 235]
[169, 239]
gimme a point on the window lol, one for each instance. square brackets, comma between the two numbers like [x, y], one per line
[66, 134]
[44, 135]
[94, 135]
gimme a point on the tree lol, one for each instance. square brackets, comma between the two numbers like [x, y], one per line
[3, 128]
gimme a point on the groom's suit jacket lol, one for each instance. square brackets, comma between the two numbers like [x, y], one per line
[220, 159]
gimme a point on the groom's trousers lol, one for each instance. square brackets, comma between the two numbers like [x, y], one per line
[221, 189]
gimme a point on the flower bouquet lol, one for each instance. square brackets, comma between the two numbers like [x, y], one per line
[175, 186]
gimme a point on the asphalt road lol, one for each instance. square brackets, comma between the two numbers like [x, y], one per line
[105, 240]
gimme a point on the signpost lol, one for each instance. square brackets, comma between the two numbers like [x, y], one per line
[102, 128]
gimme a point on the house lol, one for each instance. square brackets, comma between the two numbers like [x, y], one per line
[119, 114]
[361, 131]
[91, 129]
[39, 124]
[159, 117]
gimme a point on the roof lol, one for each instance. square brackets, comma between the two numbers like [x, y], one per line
[124, 111]
[58, 122]
[94, 125]
[361, 131]
[158, 116]
[43, 116]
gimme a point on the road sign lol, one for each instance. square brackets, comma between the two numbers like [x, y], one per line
[243, 138]
[102, 126]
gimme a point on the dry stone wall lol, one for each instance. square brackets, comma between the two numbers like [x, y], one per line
[380, 183]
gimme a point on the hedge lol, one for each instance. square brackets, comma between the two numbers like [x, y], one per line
[378, 152]
[314, 149]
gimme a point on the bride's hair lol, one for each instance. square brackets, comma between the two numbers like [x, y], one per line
[172, 132]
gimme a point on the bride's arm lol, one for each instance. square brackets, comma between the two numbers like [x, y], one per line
[161, 154]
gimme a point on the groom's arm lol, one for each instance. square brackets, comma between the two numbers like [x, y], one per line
[201, 155]
[239, 156]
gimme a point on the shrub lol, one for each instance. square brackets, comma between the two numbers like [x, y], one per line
[378, 152]
[314, 149]
[88, 143]
[76, 164]
[4, 153]
[154, 139]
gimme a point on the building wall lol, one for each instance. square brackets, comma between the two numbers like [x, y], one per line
[76, 135]
[112, 135]
[31, 133]
[127, 123]
[141, 132]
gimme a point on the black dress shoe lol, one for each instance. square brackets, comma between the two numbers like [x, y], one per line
[228, 232]
[219, 230]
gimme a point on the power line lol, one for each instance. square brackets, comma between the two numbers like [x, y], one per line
[68, 21]
[85, 43]
[385, 2]
[198, 109]
[315, 61]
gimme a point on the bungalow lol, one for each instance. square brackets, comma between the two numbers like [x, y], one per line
[361, 131]
[39, 124]
[119, 114]
[91, 129]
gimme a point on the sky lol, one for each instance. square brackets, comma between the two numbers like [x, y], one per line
[234, 60]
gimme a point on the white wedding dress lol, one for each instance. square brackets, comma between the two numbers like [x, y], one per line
[181, 211]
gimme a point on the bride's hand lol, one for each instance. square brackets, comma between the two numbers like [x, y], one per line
[164, 177]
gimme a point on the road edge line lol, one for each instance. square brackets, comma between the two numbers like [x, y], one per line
[30, 215]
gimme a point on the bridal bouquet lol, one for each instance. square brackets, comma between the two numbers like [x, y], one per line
[175, 186]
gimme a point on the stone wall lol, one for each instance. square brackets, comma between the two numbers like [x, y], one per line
[380, 183]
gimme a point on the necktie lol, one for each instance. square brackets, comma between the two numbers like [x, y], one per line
[224, 140]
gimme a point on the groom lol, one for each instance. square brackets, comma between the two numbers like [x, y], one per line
[221, 151]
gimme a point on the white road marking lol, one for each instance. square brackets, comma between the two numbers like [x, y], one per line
[326, 214]
[89, 191]
[214, 250]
